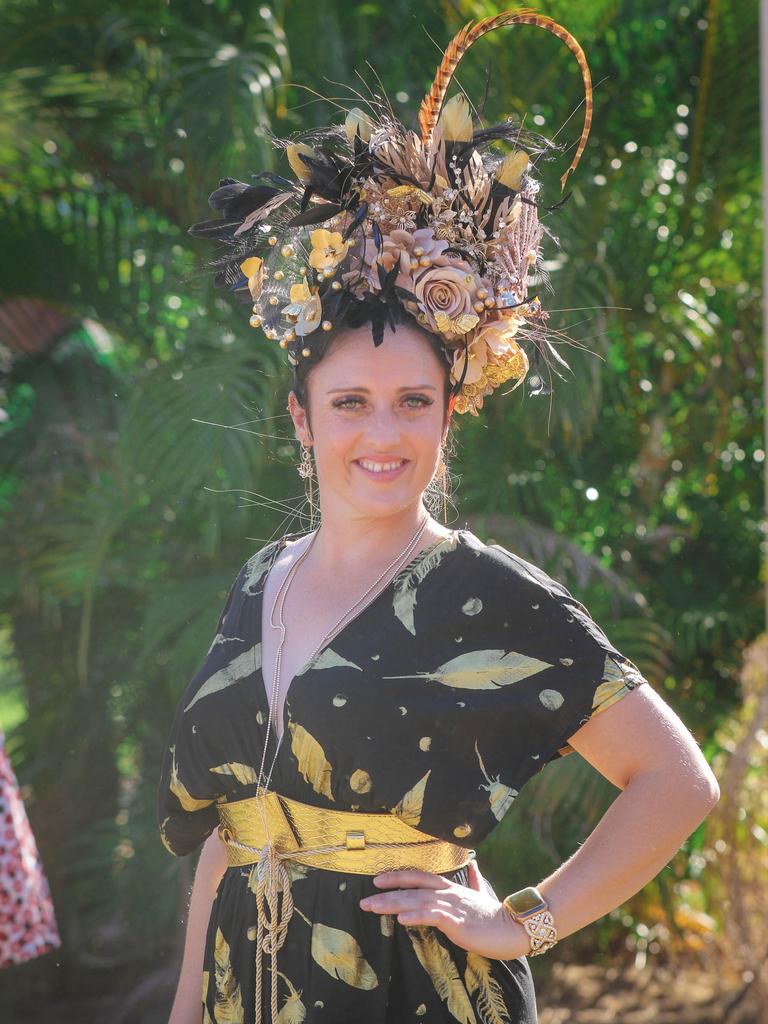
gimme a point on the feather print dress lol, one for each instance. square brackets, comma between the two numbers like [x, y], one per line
[455, 685]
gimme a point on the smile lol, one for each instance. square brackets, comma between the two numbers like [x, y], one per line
[382, 470]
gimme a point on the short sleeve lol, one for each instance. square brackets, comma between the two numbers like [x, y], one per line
[188, 789]
[588, 673]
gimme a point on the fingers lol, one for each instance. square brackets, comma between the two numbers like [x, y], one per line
[405, 900]
[474, 881]
[411, 878]
[411, 907]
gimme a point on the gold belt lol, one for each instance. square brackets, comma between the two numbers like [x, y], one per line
[268, 829]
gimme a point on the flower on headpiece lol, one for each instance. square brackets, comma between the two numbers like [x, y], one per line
[447, 290]
[328, 249]
[253, 268]
[435, 220]
[494, 357]
[305, 305]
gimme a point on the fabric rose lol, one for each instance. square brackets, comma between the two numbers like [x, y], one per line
[492, 353]
[399, 245]
[449, 290]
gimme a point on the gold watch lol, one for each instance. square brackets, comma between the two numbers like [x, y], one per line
[529, 908]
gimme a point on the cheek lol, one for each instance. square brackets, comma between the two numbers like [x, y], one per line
[336, 440]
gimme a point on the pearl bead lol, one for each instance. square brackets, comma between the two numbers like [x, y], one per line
[287, 250]
[306, 352]
[273, 300]
[272, 239]
[425, 261]
[479, 307]
[283, 343]
[279, 275]
[255, 321]
[327, 325]
[490, 302]
[482, 293]
[303, 271]
[336, 285]
[418, 251]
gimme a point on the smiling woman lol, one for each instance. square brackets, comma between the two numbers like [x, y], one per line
[428, 391]
[352, 384]
[379, 689]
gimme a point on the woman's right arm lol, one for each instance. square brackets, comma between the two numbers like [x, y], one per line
[187, 1006]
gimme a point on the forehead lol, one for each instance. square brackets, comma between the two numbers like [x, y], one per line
[404, 357]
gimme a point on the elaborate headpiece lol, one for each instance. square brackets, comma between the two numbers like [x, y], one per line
[382, 219]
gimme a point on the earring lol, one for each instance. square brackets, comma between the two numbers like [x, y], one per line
[306, 471]
[306, 468]
[440, 473]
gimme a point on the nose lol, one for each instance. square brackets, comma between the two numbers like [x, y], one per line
[383, 429]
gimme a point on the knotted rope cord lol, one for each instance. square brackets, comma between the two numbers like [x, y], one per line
[272, 877]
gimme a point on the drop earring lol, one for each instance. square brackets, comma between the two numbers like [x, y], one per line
[440, 473]
[306, 468]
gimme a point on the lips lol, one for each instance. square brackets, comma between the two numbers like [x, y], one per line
[380, 469]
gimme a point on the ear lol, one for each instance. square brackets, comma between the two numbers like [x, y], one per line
[299, 417]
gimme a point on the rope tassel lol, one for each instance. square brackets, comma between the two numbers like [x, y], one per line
[272, 880]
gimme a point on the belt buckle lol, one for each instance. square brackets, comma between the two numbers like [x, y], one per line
[355, 840]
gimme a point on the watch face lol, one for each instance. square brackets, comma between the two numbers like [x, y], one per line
[526, 900]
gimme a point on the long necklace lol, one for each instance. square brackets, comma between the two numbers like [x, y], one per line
[279, 603]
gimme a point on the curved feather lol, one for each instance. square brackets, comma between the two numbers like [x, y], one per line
[239, 668]
[228, 1008]
[339, 953]
[490, 996]
[437, 962]
[313, 764]
[410, 806]
[406, 583]
[482, 670]
[180, 791]
[469, 34]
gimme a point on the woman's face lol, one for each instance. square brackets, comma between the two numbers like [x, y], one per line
[372, 407]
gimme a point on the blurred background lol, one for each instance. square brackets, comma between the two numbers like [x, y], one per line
[145, 450]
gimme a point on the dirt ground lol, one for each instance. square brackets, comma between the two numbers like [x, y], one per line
[589, 994]
[571, 994]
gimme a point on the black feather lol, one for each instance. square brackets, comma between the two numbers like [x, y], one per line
[315, 216]
[356, 221]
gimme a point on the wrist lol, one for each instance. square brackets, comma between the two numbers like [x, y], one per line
[519, 942]
[529, 909]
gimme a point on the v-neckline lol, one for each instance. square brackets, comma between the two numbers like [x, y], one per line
[259, 614]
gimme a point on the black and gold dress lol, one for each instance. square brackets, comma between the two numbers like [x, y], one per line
[455, 685]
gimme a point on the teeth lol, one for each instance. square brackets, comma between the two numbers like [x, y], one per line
[380, 467]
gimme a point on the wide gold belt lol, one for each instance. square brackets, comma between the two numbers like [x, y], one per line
[269, 829]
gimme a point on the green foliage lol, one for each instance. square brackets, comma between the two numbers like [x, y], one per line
[138, 402]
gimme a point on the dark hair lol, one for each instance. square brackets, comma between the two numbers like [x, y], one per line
[303, 368]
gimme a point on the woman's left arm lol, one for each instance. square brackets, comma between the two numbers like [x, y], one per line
[667, 789]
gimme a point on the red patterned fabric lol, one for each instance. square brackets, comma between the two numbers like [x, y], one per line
[27, 921]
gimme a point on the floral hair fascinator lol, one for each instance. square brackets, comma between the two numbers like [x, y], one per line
[380, 219]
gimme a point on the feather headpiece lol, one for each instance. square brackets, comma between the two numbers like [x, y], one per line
[381, 219]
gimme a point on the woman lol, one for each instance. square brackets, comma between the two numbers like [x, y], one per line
[379, 689]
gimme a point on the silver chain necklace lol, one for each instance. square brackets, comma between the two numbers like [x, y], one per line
[280, 598]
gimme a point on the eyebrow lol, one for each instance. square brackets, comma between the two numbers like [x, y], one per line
[414, 387]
